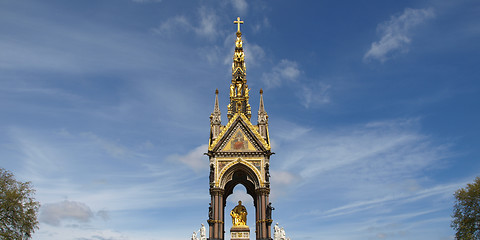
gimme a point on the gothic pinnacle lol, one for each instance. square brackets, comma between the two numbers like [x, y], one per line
[216, 109]
[239, 91]
[262, 118]
[261, 108]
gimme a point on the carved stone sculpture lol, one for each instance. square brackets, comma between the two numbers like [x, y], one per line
[276, 232]
[282, 234]
[269, 210]
[212, 173]
[267, 172]
[210, 212]
[203, 233]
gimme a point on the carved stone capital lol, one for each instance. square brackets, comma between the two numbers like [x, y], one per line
[217, 191]
[262, 191]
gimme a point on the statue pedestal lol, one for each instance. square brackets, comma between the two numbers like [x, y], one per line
[240, 233]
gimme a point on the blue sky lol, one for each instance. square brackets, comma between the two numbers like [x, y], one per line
[373, 112]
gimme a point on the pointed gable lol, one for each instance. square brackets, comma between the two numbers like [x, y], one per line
[239, 135]
[239, 142]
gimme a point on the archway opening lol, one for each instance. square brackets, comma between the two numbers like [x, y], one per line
[239, 181]
[239, 193]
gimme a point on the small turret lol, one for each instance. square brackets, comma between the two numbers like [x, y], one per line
[215, 119]
[262, 119]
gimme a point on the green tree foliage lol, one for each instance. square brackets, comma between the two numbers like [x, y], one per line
[18, 208]
[466, 212]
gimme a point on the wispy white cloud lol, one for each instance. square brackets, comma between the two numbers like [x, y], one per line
[239, 195]
[61, 166]
[314, 95]
[280, 181]
[85, 49]
[289, 132]
[208, 23]
[398, 199]
[114, 185]
[257, 27]
[381, 159]
[55, 213]
[384, 148]
[254, 54]
[372, 172]
[240, 5]
[173, 24]
[205, 27]
[284, 71]
[195, 159]
[395, 33]
[113, 149]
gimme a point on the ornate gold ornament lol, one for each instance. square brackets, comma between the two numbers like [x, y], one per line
[239, 215]
[238, 22]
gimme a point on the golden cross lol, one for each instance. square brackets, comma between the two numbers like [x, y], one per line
[238, 22]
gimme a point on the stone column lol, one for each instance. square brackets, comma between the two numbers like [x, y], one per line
[221, 217]
[263, 232]
[268, 220]
[258, 216]
[216, 225]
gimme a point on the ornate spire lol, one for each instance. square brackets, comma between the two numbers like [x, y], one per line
[216, 109]
[239, 88]
[261, 108]
[262, 118]
[215, 118]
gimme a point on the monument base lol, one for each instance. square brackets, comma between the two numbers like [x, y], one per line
[240, 233]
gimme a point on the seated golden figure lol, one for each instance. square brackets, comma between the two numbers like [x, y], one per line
[239, 215]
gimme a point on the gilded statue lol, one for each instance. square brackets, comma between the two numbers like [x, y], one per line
[232, 90]
[239, 215]
[238, 42]
[239, 89]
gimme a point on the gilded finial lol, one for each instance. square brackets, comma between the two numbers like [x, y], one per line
[216, 91]
[261, 91]
[238, 22]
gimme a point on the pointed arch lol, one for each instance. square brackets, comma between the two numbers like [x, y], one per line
[240, 172]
